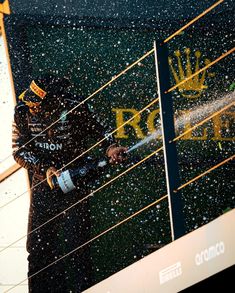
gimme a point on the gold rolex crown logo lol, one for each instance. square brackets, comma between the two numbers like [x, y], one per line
[193, 87]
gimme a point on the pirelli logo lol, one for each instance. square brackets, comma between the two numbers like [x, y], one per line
[170, 273]
[37, 90]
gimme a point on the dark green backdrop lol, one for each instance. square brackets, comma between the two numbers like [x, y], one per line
[91, 44]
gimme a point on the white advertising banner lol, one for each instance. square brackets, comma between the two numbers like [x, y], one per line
[180, 264]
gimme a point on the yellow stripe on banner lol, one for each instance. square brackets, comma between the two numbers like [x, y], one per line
[205, 173]
[5, 7]
[193, 20]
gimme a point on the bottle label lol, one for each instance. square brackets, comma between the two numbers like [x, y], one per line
[65, 182]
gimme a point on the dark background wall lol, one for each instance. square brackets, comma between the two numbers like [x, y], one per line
[126, 9]
[92, 41]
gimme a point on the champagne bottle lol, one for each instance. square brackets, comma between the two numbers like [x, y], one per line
[70, 178]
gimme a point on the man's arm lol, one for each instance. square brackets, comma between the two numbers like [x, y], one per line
[99, 130]
[23, 152]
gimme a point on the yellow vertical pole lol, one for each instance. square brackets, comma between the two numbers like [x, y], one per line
[3, 35]
[5, 7]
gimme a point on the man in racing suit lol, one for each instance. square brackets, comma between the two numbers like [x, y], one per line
[44, 147]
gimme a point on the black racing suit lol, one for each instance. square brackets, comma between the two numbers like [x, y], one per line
[56, 146]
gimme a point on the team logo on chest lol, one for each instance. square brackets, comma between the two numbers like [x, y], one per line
[50, 146]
